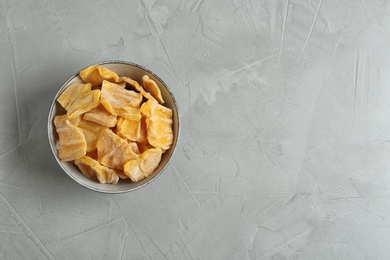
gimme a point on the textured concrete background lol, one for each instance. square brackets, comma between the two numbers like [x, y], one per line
[284, 152]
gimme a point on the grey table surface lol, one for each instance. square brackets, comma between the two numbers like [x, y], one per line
[285, 127]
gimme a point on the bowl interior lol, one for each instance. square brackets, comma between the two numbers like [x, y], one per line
[135, 72]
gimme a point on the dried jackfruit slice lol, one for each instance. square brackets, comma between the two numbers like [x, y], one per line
[114, 151]
[133, 170]
[84, 104]
[119, 96]
[119, 101]
[160, 132]
[140, 89]
[60, 121]
[142, 167]
[150, 160]
[107, 105]
[152, 108]
[101, 116]
[151, 87]
[78, 98]
[130, 113]
[158, 124]
[72, 144]
[72, 93]
[129, 129]
[93, 169]
[96, 74]
[91, 132]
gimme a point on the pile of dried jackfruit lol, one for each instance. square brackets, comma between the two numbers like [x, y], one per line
[114, 128]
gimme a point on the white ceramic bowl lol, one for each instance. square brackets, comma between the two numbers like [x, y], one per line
[126, 69]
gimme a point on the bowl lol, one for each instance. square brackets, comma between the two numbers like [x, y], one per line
[126, 69]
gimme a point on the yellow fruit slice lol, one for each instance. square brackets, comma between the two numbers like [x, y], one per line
[146, 108]
[160, 132]
[158, 124]
[60, 121]
[130, 113]
[119, 101]
[91, 132]
[101, 116]
[142, 167]
[72, 144]
[84, 104]
[93, 169]
[151, 87]
[152, 108]
[72, 93]
[129, 129]
[150, 160]
[96, 74]
[78, 98]
[114, 151]
[137, 87]
[133, 170]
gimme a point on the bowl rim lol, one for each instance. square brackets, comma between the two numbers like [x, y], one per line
[50, 127]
